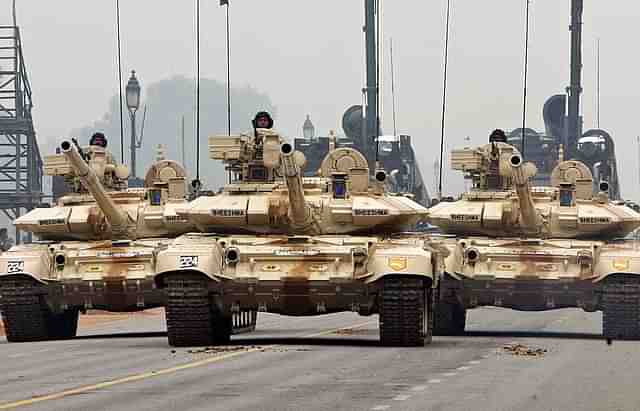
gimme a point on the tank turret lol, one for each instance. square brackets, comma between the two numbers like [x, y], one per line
[268, 194]
[100, 206]
[502, 202]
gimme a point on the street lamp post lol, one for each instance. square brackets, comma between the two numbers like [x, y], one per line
[133, 103]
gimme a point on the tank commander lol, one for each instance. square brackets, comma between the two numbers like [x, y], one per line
[494, 178]
[98, 139]
[497, 136]
[262, 120]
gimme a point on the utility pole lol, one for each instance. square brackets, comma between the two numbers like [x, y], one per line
[574, 124]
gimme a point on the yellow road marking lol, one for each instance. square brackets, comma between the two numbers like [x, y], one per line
[150, 374]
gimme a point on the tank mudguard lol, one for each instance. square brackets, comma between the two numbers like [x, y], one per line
[402, 261]
[453, 258]
[30, 261]
[616, 261]
[203, 256]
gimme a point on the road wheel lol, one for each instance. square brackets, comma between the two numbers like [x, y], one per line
[621, 307]
[405, 303]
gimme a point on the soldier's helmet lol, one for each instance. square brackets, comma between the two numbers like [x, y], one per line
[98, 139]
[262, 120]
[497, 136]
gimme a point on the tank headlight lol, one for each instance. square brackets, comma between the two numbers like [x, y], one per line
[472, 255]
[232, 255]
[60, 259]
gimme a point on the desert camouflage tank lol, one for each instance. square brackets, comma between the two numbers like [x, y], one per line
[537, 248]
[96, 246]
[278, 242]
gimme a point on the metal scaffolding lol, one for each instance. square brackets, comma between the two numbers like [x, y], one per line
[20, 161]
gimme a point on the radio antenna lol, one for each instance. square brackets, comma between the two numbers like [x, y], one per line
[444, 97]
[526, 69]
[598, 84]
[120, 81]
[393, 89]
[197, 136]
[377, 82]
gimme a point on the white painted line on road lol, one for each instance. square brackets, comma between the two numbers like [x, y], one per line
[419, 388]
[380, 407]
[463, 368]
[434, 381]
[402, 397]
[450, 374]
[474, 362]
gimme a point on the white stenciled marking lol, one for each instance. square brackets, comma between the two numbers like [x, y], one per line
[463, 368]
[450, 374]
[474, 362]
[419, 388]
[434, 381]
[401, 397]
[380, 408]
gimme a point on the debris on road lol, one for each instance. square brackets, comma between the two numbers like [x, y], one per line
[351, 331]
[240, 348]
[224, 349]
[523, 351]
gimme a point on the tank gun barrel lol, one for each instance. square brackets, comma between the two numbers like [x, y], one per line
[116, 217]
[530, 218]
[298, 208]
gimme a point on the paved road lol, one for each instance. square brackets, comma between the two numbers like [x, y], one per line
[304, 364]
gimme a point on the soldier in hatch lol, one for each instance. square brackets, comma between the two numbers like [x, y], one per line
[98, 139]
[494, 178]
[262, 120]
[497, 136]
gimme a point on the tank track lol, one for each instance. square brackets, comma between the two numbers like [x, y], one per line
[621, 307]
[450, 316]
[405, 312]
[192, 319]
[26, 316]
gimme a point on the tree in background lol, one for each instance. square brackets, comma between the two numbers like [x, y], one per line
[167, 101]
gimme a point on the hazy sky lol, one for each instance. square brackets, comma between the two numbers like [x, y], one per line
[307, 55]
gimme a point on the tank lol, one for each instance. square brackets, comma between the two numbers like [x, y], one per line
[275, 241]
[96, 246]
[536, 248]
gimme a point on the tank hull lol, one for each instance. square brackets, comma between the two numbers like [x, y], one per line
[293, 275]
[538, 275]
[43, 287]
[89, 275]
